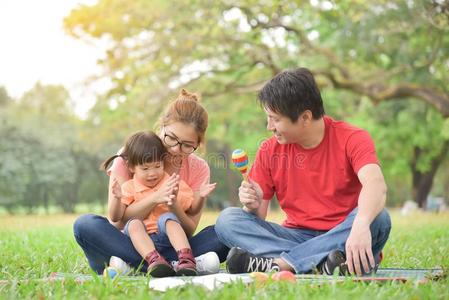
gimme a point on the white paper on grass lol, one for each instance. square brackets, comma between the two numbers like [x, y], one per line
[208, 281]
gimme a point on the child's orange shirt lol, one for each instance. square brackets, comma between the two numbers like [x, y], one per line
[134, 191]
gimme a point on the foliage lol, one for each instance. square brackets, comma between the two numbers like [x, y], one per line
[364, 55]
[44, 161]
[379, 50]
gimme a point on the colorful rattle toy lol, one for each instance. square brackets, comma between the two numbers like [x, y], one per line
[240, 161]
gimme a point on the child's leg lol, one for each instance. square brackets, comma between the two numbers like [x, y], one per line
[139, 237]
[169, 224]
[157, 265]
[176, 235]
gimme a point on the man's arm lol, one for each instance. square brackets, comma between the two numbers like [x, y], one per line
[371, 202]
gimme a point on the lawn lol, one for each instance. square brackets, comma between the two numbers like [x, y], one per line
[33, 247]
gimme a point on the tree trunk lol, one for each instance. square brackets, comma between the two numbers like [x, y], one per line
[45, 199]
[421, 187]
[422, 181]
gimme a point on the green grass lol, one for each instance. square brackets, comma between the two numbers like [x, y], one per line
[32, 247]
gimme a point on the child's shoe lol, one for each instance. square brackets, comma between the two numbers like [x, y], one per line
[186, 264]
[207, 263]
[158, 266]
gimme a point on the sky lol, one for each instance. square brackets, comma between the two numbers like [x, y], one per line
[34, 47]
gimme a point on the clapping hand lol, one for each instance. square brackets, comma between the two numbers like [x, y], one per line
[116, 189]
[206, 189]
[168, 190]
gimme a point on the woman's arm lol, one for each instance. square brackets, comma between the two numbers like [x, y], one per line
[116, 207]
[199, 177]
[190, 219]
[118, 172]
[200, 198]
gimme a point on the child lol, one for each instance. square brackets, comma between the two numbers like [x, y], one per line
[144, 153]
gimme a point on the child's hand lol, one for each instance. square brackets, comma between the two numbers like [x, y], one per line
[172, 202]
[116, 189]
[167, 190]
[206, 189]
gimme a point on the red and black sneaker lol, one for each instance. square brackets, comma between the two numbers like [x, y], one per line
[186, 264]
[158, 266]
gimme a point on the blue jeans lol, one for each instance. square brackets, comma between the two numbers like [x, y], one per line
[161, 223]
[100, 240]
[302, 249]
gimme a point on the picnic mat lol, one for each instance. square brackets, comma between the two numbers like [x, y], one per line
[218, 280]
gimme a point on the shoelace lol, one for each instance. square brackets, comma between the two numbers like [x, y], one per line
[260, 264]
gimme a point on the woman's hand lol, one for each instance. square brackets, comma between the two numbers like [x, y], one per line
[206, 189]
[116, 207]
[116, 189]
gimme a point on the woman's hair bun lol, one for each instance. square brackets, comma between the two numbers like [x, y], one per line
[186, 95]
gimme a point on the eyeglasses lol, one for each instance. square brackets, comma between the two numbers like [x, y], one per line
[171, 141]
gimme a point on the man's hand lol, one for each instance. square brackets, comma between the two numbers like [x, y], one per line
[358, 249]
[250, 195]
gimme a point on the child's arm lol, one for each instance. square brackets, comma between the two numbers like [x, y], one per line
[143, 208]
[116, 207]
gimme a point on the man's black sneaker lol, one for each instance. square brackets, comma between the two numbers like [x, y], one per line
[335, 260]
[241, 261]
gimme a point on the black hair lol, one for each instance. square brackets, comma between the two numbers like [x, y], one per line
[140, 148]
[292, 92]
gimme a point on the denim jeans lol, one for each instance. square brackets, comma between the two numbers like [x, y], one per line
[302, 249]
[100, 240]
[161, 223]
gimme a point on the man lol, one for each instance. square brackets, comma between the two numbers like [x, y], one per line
[327, 179]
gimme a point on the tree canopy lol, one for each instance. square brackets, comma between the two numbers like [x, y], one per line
[381, 65]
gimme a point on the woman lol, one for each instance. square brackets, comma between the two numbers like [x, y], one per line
[182, 128]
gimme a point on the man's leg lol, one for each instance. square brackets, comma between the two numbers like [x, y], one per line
[256, 243]
[237, 228]
[100, 240]
[306, 256]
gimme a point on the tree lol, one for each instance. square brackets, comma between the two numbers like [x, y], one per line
[45, 161]
[4, 97]
[380, 49]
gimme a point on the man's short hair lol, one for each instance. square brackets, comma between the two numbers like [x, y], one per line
[292, 92]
